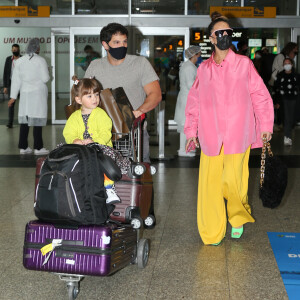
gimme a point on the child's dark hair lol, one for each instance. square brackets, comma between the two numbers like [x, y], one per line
[216, 17]
[109, 30]
[83, 87]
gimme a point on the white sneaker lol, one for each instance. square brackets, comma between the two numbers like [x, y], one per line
[26, 151]
[112, 196]
[287, 141]
[42, 151]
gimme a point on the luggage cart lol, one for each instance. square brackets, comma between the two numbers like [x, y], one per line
[136, 192]
[73, 281]
[135, 189]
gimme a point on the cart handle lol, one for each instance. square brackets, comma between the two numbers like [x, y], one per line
[138, 120]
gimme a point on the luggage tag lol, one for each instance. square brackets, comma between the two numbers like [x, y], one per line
[49, 248]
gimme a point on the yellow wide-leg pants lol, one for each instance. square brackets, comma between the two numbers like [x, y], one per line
[222, 176]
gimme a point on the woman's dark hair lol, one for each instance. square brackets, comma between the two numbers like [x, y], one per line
[83, 87]
[109, 30]
[216, 17]
[288, 48]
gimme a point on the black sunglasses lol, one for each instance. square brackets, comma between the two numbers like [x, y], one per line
[220, 32]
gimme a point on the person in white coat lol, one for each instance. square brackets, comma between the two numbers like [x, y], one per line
[187, 75]
[29, 79]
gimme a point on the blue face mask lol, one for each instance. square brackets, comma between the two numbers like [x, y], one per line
[199, 61]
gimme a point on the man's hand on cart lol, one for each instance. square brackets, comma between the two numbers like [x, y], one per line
[138, 119]
[137, 113]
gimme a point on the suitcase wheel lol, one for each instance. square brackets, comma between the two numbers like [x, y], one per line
[136, 222]
[149, 222]
[73, 290]
[142, 253]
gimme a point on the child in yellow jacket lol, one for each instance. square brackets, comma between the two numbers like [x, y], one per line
[90, 124]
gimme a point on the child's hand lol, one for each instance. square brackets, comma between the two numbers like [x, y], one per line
[87, 141]
[78, 142]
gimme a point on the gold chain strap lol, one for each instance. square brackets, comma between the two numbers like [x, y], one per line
[266, 146]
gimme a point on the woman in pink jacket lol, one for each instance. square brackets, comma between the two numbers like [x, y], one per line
[228, 110]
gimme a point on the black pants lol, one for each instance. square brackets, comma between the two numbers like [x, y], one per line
[37, 137]
[11, 112]
[289, 116]
[298, 110]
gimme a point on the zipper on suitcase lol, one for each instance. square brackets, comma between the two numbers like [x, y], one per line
[79, 249]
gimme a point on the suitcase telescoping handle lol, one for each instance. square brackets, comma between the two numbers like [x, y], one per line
[137, 124]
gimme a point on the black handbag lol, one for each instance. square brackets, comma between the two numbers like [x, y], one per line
[273, 177]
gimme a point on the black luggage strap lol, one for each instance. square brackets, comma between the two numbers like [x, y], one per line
[118, 223]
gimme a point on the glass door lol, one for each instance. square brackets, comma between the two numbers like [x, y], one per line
[164, 48]
[71, 51]
[85, 46]
[60, 69]
[296, 39]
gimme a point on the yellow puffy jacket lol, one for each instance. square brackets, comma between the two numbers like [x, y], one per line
[99, 127]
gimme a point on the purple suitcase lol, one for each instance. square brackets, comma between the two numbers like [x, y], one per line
[88, 250]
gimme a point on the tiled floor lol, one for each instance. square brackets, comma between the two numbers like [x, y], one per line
[180, 266]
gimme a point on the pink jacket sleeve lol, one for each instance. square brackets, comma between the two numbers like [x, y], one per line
[261, 100]
[192, 111]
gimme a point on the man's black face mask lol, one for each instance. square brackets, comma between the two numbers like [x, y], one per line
[118, 53]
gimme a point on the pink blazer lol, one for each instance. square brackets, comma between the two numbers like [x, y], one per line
[228, 105]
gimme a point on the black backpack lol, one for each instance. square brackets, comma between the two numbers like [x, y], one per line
[71, 189]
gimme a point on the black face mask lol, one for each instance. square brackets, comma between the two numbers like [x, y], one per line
[16, 53]
[118, 53]
[224, 42]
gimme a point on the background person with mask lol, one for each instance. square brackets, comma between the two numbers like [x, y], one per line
[134, 73]
[228, 110]
[187, 75]
[29, 79]
[7, 75]
[290, 50]
[287, 88]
